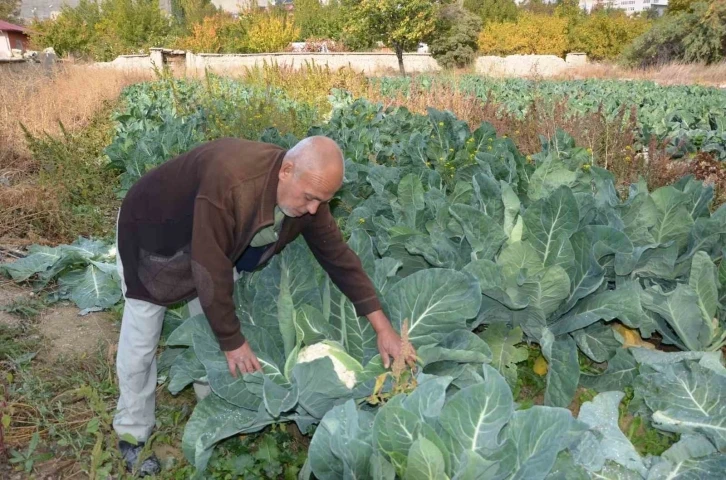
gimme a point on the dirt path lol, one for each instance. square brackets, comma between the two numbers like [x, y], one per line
[67, 334]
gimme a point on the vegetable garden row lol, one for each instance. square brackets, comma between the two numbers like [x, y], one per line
[473, 248]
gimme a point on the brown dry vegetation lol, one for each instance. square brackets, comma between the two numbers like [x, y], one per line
[72, 95]
[670, 74]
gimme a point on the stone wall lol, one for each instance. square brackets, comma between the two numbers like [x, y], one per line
[363, 62]
[369, 63]
[528, 65]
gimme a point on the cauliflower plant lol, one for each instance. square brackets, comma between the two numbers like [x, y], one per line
[346, 367]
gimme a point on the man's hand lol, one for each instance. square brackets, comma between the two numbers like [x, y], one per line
[244, 359]
[389, 342]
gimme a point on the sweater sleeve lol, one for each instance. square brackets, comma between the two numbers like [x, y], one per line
[212, 240]
[339, 261]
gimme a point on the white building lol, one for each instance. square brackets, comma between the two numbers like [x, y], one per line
[629, 6]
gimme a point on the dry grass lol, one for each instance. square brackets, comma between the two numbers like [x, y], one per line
[71, 94]
[671, 74]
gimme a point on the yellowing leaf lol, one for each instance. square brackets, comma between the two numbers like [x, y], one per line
[631, 338]
[540, 366]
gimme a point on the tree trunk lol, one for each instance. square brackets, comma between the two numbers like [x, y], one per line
[399, 55]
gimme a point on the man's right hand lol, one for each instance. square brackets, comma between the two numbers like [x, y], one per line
[244, 359]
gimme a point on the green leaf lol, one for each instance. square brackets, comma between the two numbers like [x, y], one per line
[550, 222]
[40, 259]
[473, 417]
[538, 435]
[686, 398]
[434, 302]
[704, 283]
[505, 354]
[483, 233]
[547, 290]
[681, 310]
[620, 373]
[563, 373]
[622, 303]
[601, 416]
[425, 461]
[597, 341]
[674, 220]
[95, 288]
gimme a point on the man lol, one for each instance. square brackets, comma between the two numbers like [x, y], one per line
[186, 229]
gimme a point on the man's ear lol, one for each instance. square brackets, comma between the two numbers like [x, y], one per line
[286, 170]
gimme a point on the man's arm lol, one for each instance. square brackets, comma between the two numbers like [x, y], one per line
[211, 240]
[345, 270]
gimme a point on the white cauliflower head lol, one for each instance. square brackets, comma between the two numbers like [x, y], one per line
[346, 367]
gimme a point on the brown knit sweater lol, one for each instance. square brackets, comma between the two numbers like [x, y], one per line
[183, 225]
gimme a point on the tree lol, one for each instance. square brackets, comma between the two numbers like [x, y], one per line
[493, 10]
[698, 35]
[539, 7]
[319, 21]
[188, 13]
[9, 10]
[676, 6]
[454, 44]
[400, 24]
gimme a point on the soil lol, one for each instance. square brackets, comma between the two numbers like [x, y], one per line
[67, 334]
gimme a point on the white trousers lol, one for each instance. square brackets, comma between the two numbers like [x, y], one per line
[136, 363]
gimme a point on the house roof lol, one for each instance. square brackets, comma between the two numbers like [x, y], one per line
[9, 27]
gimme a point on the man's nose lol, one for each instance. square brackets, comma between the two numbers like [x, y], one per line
[313, 207]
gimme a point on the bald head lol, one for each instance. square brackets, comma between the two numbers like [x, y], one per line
[312, 171]
[318, 155]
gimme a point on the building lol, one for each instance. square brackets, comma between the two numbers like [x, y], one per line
[629, 6]
[12, 37]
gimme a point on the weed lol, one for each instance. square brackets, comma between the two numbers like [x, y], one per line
[646, 439]
[530, 386]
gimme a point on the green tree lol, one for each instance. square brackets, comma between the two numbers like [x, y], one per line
[454, 43]
[677, 6]
[188, 13]
[493, 10]
[539, 7]
[698, 35]
[400, 24]
[316, 20]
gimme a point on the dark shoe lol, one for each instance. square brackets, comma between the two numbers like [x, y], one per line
[150, 466]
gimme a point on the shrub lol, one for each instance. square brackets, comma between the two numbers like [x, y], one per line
[216, 34]
[106, 30]
[493, 10]
[698, 35]
[319, 21]
[270, 32]
[530, 34]
[603, 36]
[457, 31]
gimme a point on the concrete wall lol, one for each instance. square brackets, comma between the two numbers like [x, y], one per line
[129, 63]
[195, 64]
[363, 62]
[527, 65]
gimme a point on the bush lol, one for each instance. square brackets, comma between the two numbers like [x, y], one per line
[105, 30]
[220, 33]
[270, 32]
[698, 35]
[603, 35]
[319, 21]
[530, 34]
[457, 30]
[493, 10]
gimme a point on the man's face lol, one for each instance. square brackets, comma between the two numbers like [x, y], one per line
[301, 194]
